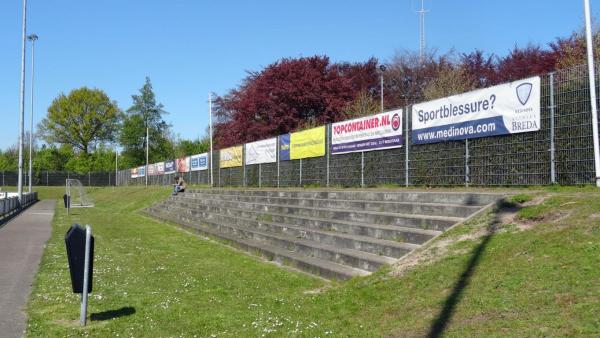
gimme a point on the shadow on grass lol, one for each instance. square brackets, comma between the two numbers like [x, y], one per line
[443, 319]
[112, 314]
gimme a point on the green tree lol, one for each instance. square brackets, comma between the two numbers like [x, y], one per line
[83, 119]
[145, 113]
[191, 147]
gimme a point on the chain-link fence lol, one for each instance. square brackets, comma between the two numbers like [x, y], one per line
[560, 152]
[58, 178]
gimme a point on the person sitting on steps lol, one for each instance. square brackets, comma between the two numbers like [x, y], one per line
[179, 185]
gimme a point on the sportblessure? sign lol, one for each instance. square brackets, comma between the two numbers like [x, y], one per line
[504, 109]
[375, 132]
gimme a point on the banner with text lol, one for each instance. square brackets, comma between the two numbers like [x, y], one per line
[152, 170]
[160, 168]
[303, 144]
[264, 151]
[504, 109]
[142, 171]
[183, 164]
[231, 157]
[199, 162]
[170, 167]
[375, 132]
[134, 173]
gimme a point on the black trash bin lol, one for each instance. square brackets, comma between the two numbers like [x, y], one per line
[75, 242]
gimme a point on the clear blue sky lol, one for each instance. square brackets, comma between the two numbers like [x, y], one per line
[189, 48]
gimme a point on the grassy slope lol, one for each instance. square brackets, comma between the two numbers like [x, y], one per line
[541, 281]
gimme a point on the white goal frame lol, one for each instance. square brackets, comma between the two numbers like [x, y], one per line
[84, 200]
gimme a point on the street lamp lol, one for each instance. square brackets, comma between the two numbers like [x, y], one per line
[22, 102]
[33, 38]
[382, 68]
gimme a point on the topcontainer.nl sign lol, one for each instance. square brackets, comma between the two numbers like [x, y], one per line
[504, 109]
[375, 132]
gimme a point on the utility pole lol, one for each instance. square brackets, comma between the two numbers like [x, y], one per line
[592, 77]
[22, 104]
[31, 38]
[211, 136]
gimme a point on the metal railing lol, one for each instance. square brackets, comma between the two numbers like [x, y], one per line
[9, 205]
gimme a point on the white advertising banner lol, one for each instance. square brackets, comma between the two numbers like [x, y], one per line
[264, 151]
[504, 109]
[199, 162]
[375, 132]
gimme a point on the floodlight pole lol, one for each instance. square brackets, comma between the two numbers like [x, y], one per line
[211, 136]
[147, 143]
[116, 167]
[31, 38]
[592, 77]
[22, 104]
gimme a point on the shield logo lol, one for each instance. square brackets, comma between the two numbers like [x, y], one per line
[523, 92]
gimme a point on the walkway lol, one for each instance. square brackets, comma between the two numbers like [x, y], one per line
[22, 242]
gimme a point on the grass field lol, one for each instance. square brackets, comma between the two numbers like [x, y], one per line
[535, 275]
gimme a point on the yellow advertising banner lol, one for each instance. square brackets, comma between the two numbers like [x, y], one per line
[231, 157]
[307, 143]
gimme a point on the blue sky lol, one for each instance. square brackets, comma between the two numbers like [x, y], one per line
[189, 48]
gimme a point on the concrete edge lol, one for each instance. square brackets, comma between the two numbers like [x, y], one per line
[425, 246]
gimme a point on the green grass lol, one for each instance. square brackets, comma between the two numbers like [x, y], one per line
[543, 281]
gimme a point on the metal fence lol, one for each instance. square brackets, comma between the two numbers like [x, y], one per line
[50, 178]
[10, 205]
[560, 152]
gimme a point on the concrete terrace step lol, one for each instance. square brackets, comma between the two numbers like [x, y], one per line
[371, 217]
[435, 209]
[354, 258]
[410, 235]
[461, 198]
[357, 242]
[313, 265]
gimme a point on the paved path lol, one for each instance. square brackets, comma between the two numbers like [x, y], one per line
[22, 242]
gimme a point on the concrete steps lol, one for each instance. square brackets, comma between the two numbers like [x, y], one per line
[334, 234]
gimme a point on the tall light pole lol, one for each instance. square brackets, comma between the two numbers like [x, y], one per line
[211, 136]
[33, 38]
[592, 77]
[147, 142]
[382, 68]
[116, 167]
[22, 103]
[422, 12]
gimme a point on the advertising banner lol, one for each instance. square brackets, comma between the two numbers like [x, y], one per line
[231, 157]
[134, 173]
[152, 170]
[170, 167]
[284, 147]
[504, 109]
[142, 171]
[264, 151]
[375, 132]
[160, 168]
[183, 164]
[307, 143]
[199, 162]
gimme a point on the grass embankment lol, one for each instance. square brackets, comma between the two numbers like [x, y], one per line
[536, 275]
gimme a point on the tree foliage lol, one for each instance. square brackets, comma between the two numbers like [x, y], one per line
[145, 113]
[287, 94]
[83, 119]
